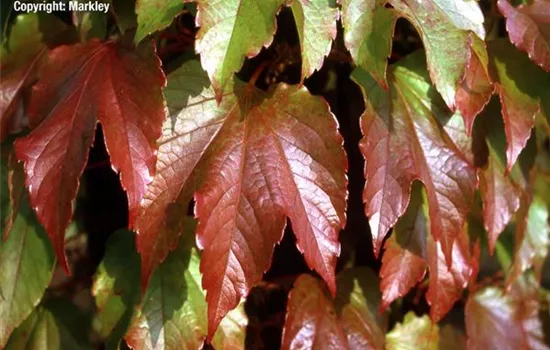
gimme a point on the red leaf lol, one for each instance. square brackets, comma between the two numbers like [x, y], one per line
[404, 260]
[529, 29]
[311, 321]
[261, 157]
[475, 90]
[403, 141]
[79, 86]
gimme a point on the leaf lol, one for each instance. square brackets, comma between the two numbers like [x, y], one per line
[20, 60]
[230, 31]
[444, 27]
[81, 85]
[116, 288]
[27, 262]
[413, 333]
[403, 140]
[522, 88]
[316, 24]
[314, 321]
[532, 238]
[91, 24]
[154, 15]
[54, 326]
[311, 320]
[511, 319]
[173, 311]
[357, 304]
[528, 26]
[368, 32]
[475, 89]
[405, 252]
[256, 159]
[451, 338]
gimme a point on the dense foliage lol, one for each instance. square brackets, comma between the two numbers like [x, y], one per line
[296, 174]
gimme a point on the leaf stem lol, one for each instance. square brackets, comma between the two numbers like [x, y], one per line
[258, 72]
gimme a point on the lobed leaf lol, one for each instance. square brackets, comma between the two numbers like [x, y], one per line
[444, 27]
[404, 140]
[154, 15]
[256, 159]
[413, 333]
[528, 26]
[81, 85]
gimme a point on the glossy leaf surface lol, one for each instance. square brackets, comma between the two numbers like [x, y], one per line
[261, 157]
[81, 85]
[403, 140]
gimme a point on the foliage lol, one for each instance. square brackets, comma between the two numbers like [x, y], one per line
[282, 126]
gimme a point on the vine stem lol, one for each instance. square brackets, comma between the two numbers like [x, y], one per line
[258, 72]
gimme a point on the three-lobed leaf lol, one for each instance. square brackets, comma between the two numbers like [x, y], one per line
[255, 159]
[81, 85]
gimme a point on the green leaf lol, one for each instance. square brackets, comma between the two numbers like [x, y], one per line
[316, 24]
[153, 15]
[91, 24]
[27, 262]
[232, 331]
[413, 333]
[444, 27]
[116, 288]
[230, 31]
[368, 31]
[56, 325]
[124, 12]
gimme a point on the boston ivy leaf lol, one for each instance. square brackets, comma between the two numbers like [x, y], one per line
[256, 159]
[444, 27]
[232, 331]
[27, 262]
[21, 56]
[475, 89]
[90, 24]
[511, 318]
[58, 324]
[316, 24]
[173, 311]
[116, 288]
[313, 320]
[413, 333]
[528, 27]
[153, 15]
[403, 140]
[405, 252]
[81, 85]
[368, 31]
[522, 88]
[230, 31]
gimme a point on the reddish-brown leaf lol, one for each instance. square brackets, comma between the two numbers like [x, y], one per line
[256, 159]
[404, 140]
[311, 321]
[404, 260]
[529, 29]
[475, 90]
[79, 86]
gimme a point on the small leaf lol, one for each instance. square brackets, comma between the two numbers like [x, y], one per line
[443, 26]
[91, 24]
[153, 15]
[311, 320]
[521, 87]
[413, 333]
[368, 32]
[54, 326]
[27, 262]
[316, 24]
[81, 85]
[403, 140]
[528, 27]
[230, 31]
[255, 159]
[116, 288]
[232, 331]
